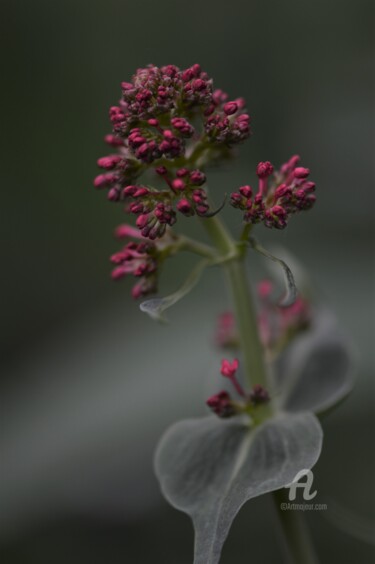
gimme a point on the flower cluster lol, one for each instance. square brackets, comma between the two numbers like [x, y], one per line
[277, 325]
[140, 258]
[157, 128]
[280, 194]
[222, 403]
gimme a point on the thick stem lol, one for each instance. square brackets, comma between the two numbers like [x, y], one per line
[243, 304]
[296, 538]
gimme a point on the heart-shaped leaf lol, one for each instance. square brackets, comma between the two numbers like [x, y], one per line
[318, 371]
[209, 468]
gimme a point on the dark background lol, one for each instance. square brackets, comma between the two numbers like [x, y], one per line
[85, 391]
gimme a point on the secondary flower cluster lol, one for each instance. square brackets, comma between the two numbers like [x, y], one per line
[157, 127]
[140, 258]
[280, 194]
[277, 325]
[222, 403]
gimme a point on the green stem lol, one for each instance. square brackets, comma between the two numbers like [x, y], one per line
[187, 244]
[297, 542]
[296, 536]
[243, 304]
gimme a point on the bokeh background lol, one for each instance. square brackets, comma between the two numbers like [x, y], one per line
[88, 383]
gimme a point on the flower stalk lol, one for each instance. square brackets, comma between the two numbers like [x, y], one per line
[253, 359]
[297, 543]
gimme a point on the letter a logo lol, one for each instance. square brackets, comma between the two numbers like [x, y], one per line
[306, 486]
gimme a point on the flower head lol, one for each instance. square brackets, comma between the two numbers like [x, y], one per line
[280, 194]
[277, 324]
[223, 405]
[140, 258]
[169, 122]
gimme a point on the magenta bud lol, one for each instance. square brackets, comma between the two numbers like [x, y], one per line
[301, 172]
[130, 190]
[113, 140]
[182, 172]
[246, 191]
[118, 273]
[178, 184]
[197, 178]
[161, 170]
[236, 200]
[109, 162]
[137, 291]
[127, 86]
[167, 133]
[142, 150]
[202, 209]
[153, 122]
[265, 289]
[229, 369]
[140, 192]
[113, 195]
[221, 404]
[124, 231]
[282, 191]
[300, 194]
[105, 180]
[264, 169]
[142, 221]
[230, 108]
[259, 395]
[136, 208]
[309, 187]
[185, 207]
[279, 211]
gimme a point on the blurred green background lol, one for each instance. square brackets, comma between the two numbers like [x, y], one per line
[84, 393]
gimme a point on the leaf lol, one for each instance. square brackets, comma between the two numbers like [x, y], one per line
[291, 288]
[209, 468]
[319, 371]
[155, 307]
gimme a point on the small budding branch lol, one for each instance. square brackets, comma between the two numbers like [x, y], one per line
[168, 126]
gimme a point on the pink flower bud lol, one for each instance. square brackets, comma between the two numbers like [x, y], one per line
[140, 192]
[118, 273]
[197, 178]
[178, 184]
[230, 108]
[282, 191]
[127, 86]
[105, 180]
[185, 207]
[229, 369]
[221, 404]
[264, 169]
[309, 187]
[182, 172]
[113, 140]
[109, 162]
[124, 231]
[113, 195]
[130, 190]
[301, 172]
[246, 191]
[259, 395]
[142, 220]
